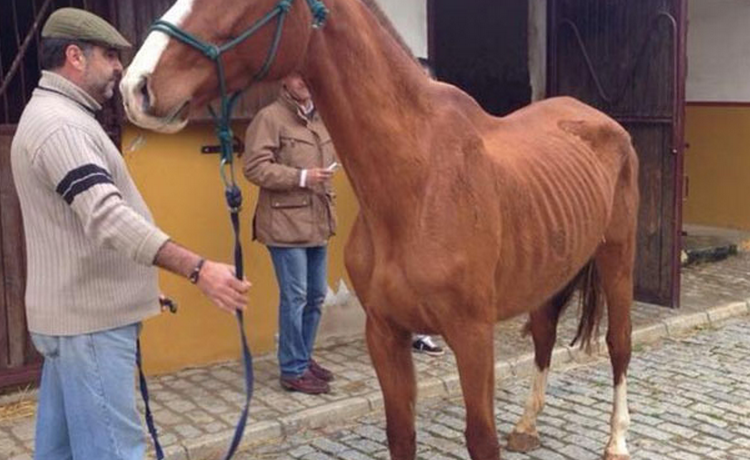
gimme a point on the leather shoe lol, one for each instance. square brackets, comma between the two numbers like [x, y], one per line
[320, 372]
[306, 383]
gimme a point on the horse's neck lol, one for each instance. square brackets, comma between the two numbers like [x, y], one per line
[372, 100]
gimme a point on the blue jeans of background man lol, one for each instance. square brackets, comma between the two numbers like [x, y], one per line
[301, 274]
[87, 408]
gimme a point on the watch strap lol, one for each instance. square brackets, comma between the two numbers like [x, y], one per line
[196, 273]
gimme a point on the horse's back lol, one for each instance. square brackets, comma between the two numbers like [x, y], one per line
[570, 121]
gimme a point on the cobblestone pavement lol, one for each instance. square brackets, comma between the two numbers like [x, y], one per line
[196, 409]
[689, 400]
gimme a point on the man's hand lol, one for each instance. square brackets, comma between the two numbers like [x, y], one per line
[218, 282]
[318, 176]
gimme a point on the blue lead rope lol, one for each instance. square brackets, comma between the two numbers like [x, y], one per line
[144, 394]
[234, 202]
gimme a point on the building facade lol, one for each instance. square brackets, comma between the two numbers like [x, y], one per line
[500, 52]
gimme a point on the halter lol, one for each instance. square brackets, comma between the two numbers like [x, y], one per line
[232, 191]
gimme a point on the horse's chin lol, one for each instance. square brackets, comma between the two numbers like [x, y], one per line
[173, 126]
[170, 124]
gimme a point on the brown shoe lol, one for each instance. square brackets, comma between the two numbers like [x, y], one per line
[306, 383]
[320, 372]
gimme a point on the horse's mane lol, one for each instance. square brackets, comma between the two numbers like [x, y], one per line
[261, 94]
[386, 22]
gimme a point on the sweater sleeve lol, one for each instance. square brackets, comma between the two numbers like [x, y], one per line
[69, 160]
[262, 141]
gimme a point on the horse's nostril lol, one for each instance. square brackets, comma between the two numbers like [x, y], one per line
[143, 90]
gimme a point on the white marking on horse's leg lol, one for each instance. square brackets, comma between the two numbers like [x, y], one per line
[534, 403]
[620, 422]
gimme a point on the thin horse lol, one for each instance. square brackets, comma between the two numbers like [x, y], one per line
[465, 219]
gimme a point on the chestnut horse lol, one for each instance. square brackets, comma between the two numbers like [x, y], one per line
[465, 219]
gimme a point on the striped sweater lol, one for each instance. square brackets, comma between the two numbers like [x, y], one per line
[90, 239]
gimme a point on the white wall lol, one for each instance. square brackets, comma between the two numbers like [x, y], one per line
[718, 51]
[410, 18]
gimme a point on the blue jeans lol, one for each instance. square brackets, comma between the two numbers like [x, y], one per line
[301, 274]
[87, 408]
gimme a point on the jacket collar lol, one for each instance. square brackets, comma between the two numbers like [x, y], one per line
[55, 83]
[294, 107]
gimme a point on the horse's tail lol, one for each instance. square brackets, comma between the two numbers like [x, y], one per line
[591, 302]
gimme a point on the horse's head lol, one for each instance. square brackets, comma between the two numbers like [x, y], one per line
[168, 77]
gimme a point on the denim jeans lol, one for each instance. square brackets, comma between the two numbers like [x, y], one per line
[301, 274]
[87, 408]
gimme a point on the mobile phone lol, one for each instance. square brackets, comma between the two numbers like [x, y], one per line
[333, 166]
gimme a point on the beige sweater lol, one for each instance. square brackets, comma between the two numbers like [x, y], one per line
[90, 239]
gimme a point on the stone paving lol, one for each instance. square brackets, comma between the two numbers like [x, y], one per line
[689, 400]
[196, 409]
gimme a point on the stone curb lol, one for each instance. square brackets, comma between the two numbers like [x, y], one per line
[449, 385]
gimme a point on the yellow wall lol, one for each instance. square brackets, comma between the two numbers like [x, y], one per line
[718, 166]
[185, 194]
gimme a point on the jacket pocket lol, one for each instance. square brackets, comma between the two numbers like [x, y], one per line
[291, 218]
[297, 151]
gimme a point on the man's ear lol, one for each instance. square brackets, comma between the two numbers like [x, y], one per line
[75, 57]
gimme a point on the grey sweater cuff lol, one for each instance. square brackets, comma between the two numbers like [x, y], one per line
[150, 247]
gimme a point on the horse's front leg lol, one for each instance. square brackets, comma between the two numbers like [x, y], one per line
[472, 344]
[390, 351]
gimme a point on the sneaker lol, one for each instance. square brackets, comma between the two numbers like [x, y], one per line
[306, 383]
[320, 372]
[427, 346]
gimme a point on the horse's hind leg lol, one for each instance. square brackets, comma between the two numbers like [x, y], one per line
[615, 259]
[617, 279]
[390, 350]
[473, 346]
[543, 327]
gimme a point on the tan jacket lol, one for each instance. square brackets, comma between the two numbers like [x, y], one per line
[279, 143]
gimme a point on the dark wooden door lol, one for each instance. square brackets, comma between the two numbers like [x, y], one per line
[626, 58]
[19, 363]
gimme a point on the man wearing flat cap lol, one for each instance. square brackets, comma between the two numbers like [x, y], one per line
[92, 248]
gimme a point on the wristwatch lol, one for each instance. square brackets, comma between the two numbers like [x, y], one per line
[196, 273]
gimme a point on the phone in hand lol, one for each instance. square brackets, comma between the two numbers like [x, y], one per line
[333, 166]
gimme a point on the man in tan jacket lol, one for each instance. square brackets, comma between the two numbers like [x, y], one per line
[289, 155]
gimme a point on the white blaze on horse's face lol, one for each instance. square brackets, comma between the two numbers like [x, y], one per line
[136, 93]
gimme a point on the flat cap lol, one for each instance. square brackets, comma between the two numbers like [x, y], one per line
[76, 24]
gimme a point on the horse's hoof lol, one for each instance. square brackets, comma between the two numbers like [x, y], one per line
[524, 442]
[616, 457]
